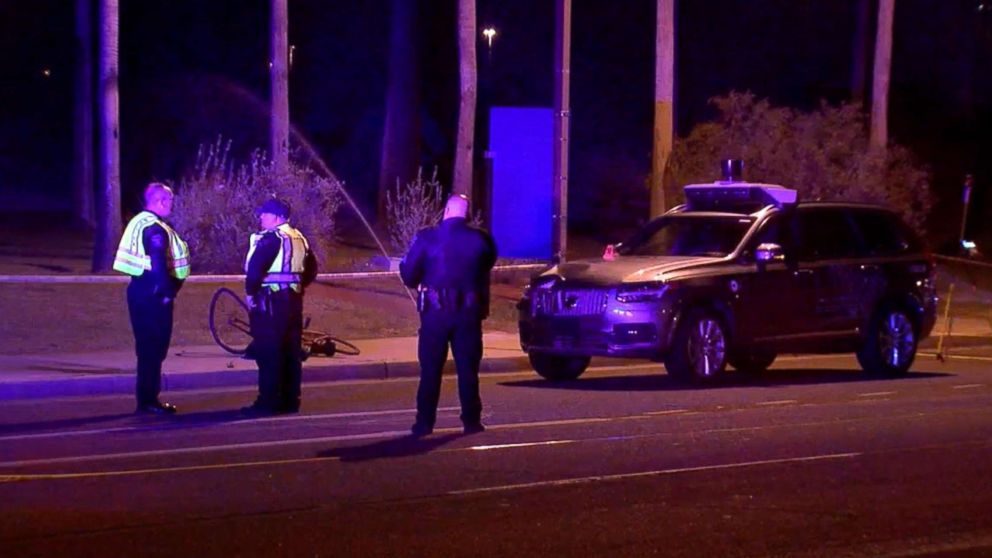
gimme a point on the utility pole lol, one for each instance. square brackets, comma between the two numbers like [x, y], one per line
[559, 186]
[279, 77]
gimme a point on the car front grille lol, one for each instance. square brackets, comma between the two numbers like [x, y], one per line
[570, 302]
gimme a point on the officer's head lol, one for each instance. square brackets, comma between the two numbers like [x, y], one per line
[272, 213]
[457, 207]
[158, 199]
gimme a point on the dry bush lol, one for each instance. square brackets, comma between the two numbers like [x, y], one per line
[411, 207]
[824, 154]
[215, 206]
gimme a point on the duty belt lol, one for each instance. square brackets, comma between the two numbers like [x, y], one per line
[446, 299]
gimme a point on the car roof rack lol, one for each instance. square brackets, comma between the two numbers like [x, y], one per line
[737, 197]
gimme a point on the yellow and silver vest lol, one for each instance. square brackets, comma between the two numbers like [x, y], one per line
[286, 270]
[131, 257]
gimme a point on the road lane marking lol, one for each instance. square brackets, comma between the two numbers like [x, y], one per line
[669, 412]
[180, 425]
[877, 394]
[968, 386]
[779, 402]
[658, 472]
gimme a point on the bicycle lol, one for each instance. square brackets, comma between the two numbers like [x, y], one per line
[229, 326]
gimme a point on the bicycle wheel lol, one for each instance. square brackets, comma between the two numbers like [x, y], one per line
[229, 321]
[343, 347]
[322, 344]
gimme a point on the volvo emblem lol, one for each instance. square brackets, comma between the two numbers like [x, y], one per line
[571, 301]
[734, 286]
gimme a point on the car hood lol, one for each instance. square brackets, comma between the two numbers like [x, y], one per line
[624, 269]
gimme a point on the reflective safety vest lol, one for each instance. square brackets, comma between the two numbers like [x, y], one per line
[286, 270]
[131, 257]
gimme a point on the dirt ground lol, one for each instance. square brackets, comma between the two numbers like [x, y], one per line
[39, 318]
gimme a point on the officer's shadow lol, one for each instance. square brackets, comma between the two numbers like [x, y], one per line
[407, 446]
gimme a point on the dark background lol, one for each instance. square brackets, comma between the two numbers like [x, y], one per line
[192, 70]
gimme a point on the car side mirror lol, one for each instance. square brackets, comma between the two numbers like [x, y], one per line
[768, 252]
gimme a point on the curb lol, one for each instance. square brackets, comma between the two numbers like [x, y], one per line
[123, 383]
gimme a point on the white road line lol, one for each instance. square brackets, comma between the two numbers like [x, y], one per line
[779, 402]
[202, 449]
[178, 425]
[669, 412]
[968, 386]
[877, 394]
[659, 472]
[294, 442]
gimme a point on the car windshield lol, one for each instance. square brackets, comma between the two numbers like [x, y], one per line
[689, 235]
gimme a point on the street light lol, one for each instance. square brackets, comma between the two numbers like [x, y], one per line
[489, 33]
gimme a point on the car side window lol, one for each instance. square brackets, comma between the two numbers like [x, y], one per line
[827, 233]
[883, 234]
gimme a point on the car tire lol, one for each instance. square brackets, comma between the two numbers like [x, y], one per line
[558, 367]
[890, 343]
[699, 348]
[751, 362]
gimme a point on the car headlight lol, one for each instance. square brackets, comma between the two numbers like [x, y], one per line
[645, 292]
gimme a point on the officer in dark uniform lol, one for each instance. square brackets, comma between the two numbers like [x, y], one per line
[157, 261]
[449, 266]
[278, 267]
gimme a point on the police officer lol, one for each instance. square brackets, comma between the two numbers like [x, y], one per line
[278, 267]
[157, 261]
[449, 265]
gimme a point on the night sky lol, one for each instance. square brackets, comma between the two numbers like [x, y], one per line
[193, 70]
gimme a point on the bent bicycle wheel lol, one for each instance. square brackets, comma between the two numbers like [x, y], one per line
[343, 347]
[229, 321]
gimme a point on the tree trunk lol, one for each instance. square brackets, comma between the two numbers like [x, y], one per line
[279, 76]
[859, 50]
[882, 73]
[462, 180]
[109, 192]
[400, 135]
[82, 171]
[664, 95]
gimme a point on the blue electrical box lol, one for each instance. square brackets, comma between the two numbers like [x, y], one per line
[520, 147]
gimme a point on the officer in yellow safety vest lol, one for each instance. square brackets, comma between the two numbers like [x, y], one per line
[157, 261]
[278, 267]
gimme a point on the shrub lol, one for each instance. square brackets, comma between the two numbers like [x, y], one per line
[824, 154]
[215, 206]
[411, 207]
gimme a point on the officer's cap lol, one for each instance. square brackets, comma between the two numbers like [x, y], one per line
[274, 206]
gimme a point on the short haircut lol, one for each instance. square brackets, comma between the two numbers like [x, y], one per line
[457, 206]
[153, 191]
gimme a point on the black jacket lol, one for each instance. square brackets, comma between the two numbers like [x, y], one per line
[454, 255]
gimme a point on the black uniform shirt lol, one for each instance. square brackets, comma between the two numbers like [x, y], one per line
[452, 255]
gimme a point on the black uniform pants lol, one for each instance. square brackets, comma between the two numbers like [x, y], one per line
[276, 328]
[463, 330]
[151, 321]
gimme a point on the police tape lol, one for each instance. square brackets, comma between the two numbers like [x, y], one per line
[337, 276]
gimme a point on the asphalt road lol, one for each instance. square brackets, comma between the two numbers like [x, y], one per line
[809, 459]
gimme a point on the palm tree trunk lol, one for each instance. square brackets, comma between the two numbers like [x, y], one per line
[879, 135]
[109, 202]
[400, 138]
[859, 50]
[83, 130]
[468, 72]
[279, 76]
[664, 95]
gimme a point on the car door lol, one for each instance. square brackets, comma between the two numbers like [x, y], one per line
[776, 298]
[830, 248]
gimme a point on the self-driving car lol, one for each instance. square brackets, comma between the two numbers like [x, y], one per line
[740, 273]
